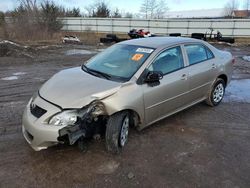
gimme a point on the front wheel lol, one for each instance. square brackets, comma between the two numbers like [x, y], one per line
[117, 130]
[217, 93]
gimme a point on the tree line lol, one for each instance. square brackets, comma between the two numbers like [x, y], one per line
[41, 17]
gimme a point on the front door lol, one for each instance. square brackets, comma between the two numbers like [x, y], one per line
[170, 94]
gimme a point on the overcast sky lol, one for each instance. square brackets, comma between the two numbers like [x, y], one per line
[132, 5]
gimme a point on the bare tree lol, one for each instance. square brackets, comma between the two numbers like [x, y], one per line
[145, 8]
[29, 4]
[161, 9]
[49, 13]
[3, 32]
[2, 18]
[75, 12]
[153, 5]
[230, 7]
[116, 13]
[90, 10]
[128, 15]
[32, 20]
[99, 8]
[153, 8]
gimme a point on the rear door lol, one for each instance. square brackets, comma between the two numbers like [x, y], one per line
[201, 70]
[170, 93]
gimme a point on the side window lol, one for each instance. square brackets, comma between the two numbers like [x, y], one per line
[168, 61]
[197, 53]
[210, 54]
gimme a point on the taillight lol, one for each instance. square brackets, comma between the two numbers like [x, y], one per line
[233, 61]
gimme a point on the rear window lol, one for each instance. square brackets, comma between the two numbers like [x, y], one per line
[198, 53]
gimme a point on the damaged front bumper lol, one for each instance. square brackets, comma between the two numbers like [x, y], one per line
[41, 135]
[36, 131]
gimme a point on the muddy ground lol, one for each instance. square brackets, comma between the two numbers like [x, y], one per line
[199, 147]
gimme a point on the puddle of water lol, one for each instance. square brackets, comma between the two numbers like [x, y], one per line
[238, 91]
[79, 52]
[19, 73]
[10, 78]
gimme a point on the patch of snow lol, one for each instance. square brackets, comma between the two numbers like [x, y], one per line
[246, 58]
[46, 47]
[14, 76]
[229, 44]
[100, 50]
[238, 91]
[10, 78]
[9, 42]
[19, 73]
[79, 52]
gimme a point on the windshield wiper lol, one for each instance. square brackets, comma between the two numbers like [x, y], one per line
[86, 69]
[107, 76]
[96, 72]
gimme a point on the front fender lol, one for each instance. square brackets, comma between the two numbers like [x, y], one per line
[129, 97]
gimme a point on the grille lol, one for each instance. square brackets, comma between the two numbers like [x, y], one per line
[36, 110]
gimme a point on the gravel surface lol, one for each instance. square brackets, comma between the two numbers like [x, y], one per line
[199, 147]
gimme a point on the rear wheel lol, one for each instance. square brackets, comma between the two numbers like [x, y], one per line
[117, 130]
[217, 93]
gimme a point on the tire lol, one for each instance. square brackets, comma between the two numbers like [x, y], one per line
[112, 36]
[174, 34]
[117, 132]
[217, 93]
[200, 36]
[227, 39]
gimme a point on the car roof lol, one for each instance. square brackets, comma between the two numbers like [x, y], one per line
[157, 42]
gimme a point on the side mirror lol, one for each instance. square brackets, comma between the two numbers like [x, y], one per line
[153, 76]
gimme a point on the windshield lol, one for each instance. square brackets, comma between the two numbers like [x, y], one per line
[119, 62]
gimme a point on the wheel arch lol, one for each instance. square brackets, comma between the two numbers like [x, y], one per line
[224, 77]
[134, 115]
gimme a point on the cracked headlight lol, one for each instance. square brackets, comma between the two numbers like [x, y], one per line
[68, 117]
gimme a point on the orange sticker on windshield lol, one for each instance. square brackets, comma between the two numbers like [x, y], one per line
[137, 57]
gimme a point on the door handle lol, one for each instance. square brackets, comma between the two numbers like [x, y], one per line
[184, 77]
[213, 66]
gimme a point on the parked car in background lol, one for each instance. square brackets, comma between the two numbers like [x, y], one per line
[134, 83]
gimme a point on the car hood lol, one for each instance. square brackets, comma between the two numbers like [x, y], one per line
[74, 88]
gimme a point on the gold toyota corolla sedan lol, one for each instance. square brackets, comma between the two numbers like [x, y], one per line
[134, 83]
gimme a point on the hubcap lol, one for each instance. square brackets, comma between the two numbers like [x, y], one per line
[218, 93]
[124, 131]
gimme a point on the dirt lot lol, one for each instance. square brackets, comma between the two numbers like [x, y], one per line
[199, 147]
